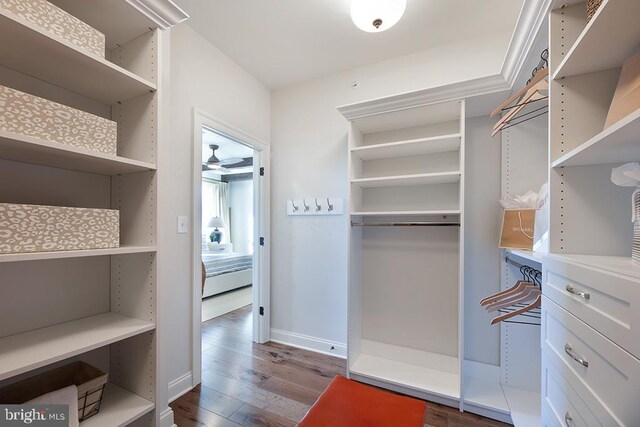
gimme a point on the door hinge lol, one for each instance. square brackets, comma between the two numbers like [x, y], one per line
[262, 241]
[261, 311]
[261, 171]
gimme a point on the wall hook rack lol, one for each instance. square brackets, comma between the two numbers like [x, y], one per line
[332, 206]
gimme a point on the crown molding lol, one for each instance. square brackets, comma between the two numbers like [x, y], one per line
[165, 13]
[403, 101]
[532, 16]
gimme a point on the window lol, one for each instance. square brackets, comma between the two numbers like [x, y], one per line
[210, 203]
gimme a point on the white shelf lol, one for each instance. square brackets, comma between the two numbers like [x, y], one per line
[33, 150]
[408, 180]
[31, 350]
[37, 53]
[412, 147]
[485, 394]
[525, 406]
[407, 213]
[37, 256]
[611, 37]
[119, 408]
[613, 264]
[618, 143]
[528, 255]
[406, 367]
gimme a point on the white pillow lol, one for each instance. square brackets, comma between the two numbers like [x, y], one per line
[205, 243]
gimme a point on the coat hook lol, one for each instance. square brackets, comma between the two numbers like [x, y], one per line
[306, 206]
[293, 203]
[329, 204]
[318, 207]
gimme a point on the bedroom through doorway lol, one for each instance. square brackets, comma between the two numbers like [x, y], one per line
[231, 240]
[227, 225]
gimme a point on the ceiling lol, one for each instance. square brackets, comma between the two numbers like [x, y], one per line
[228, 149]
[283, 42]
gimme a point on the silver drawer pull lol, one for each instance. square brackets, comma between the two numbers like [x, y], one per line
[568, 419]
[569, 350]
[573, 291]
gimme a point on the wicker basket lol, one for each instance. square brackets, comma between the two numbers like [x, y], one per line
[592, 8]
[89, 380]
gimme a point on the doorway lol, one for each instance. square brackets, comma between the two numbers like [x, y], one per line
[231, 232]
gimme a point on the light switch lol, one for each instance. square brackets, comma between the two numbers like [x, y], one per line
[183, 225]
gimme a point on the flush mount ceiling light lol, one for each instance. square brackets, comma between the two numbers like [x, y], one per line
[374, 16]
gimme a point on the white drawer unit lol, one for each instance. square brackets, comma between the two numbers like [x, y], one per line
[561, 406]
[608, 302]
[603, 375]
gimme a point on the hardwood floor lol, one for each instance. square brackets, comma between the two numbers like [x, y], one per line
[269, 385]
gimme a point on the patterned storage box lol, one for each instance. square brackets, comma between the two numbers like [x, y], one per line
[37, 228]
[57, 22]
[29, 115]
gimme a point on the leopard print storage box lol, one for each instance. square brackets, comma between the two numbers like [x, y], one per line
[27, 115]
[57, 22]
[38, 228]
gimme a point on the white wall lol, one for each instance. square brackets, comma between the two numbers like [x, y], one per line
[309, 157]
[241, 204]
[482, 228]
[204, 78]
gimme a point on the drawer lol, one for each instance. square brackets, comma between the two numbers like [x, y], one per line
[607, 302]
[561, 406]
[603, 375]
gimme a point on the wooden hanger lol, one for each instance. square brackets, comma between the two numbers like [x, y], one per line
[531, 96]
[519, 286]
[526, 296]
[519, 94]
[537, 303]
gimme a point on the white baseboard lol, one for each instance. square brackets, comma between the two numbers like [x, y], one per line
[180, 386]
[481, 371]
[306, 342]
[166, 418]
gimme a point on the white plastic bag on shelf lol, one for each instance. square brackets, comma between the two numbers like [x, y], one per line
[529, 200]
[627, 175]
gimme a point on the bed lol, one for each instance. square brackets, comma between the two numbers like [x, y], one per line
[225, 272]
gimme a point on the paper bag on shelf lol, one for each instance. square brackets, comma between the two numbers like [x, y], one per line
[626, 99]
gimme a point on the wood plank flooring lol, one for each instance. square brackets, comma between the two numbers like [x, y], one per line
[269, 385]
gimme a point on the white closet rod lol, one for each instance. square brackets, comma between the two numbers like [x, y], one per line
[405, 224]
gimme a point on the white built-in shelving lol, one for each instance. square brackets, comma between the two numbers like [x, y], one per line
[608, 39]
[614, 264]
[532, 256]
[119, 408]
[524, 405]
[67, 66]
[406, 166]
[38, 151]
[33, 349]
[41, 256]
[444, 212]
[106, 304]
[413, 179]
[485, 395]
[616, 144]
[412, 147]
[406, 367]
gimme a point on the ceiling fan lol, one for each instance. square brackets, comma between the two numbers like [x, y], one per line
[225, 165]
